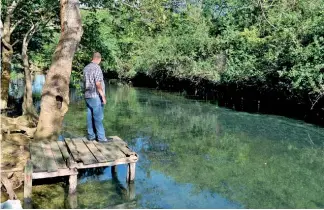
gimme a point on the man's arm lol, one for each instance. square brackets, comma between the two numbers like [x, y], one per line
[100, 91]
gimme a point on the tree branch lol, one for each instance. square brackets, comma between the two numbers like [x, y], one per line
[6, 44]
[15, 25]
[15, 43]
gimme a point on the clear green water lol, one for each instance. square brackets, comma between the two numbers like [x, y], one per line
[196, 155]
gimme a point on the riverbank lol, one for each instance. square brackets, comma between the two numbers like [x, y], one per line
[253, 99]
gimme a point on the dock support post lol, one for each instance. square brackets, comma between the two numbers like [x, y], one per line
[131, 191]
[73, 180]
[114, 171]
[72, 201]
[28, 183]
[130, 176]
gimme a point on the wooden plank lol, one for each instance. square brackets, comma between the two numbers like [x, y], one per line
[115, 151]
[59, 172]
[96, 153]
[48, 156]
[111, 163]
[37, 157]
[84, 153]
[70, 162]
[117, 139]
[73, 149]
[57, 155]
[63, 150]
[28, 183]
[106, 152]
[126, 150]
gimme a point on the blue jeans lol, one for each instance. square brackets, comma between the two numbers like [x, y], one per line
[94, 119]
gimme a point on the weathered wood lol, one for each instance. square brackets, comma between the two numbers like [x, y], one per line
[37, 157]
[131, 191]
[7, 184]
[84, 153]
[28, 183]
[48, 156]
[72, 200]
[73, 180]
[114, 171]
[57, 155]
[114, 151]
[71, 163]
[126, 150]
[59, 172]
[94, 150]
[63, 149]
[73, 149]
[112, 163]
[107, 153]
[116, 139]
[130, 176]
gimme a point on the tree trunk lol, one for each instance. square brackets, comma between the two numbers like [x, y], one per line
[7, 53]
[5, 75]
[55, 95]
[28, 105]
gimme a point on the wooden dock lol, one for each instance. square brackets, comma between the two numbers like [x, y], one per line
[64, 158]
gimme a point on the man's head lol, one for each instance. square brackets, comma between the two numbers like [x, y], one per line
[96, 58]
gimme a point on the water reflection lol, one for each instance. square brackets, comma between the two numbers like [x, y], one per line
[212, 157]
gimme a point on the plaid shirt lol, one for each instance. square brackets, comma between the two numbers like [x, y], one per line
[91, 74]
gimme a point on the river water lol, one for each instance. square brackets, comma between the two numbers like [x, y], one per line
[193, 154]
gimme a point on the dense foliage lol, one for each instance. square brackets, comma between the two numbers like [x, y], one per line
[271, 45]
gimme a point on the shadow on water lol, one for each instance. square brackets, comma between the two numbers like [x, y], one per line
[197, 155]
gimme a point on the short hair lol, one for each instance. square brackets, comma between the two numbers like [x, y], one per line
[96, 55]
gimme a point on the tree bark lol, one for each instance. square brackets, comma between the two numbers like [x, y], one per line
[28, 105]
[55, 95]
[7, 53]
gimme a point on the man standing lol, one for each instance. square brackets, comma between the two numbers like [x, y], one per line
[95, 98]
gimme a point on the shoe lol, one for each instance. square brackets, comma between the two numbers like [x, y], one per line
[105, 140]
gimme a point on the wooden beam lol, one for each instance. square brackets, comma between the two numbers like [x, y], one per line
[112, 163]
[130, 176]
[94, 150]
[73, 150]
[28, 183]
[37, 157]
[59, 172]
[58, 157]
[48, 156]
